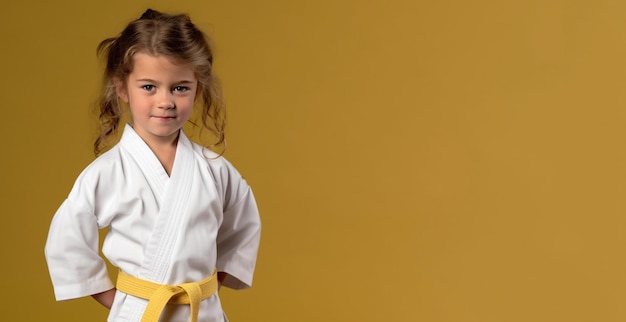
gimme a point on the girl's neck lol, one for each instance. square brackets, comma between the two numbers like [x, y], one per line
[166, 155]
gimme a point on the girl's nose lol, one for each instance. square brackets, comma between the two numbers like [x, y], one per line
[167, 101]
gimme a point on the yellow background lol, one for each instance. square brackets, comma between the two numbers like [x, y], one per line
[412, 160]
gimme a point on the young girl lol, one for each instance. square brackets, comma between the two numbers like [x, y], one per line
[181, 220]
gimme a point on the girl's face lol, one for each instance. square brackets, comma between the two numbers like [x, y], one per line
[160, 95]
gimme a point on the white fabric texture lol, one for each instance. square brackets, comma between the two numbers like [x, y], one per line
[166, 229]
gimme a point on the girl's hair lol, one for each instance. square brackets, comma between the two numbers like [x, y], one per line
[172, 36]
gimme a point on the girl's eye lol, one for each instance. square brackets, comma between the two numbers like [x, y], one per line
[181, 89]
[148, 87]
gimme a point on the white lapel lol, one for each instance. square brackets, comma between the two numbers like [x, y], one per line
[148, 162]
[172, 214]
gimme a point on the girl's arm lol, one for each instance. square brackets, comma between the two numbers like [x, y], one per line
[221, 276]
[105, 298]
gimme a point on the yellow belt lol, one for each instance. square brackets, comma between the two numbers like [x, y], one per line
[160, 294]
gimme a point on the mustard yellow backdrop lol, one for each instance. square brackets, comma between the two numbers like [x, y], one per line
[413, 160]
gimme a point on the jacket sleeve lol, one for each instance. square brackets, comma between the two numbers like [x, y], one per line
[240, 231]
[71, 251]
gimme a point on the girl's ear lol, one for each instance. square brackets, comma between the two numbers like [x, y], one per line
[120, 89]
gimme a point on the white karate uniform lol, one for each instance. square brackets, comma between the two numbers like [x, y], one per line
[165, 229]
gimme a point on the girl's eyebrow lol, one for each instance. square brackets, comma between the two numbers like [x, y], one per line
[153, 81]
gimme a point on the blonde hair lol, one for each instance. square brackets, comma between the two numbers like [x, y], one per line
[172, 36]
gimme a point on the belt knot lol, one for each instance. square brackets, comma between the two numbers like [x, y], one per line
[158, 295]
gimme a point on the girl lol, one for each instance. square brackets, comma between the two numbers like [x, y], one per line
[181, 220]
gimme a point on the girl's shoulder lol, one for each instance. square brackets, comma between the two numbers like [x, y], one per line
[104, 164]
[226, 177]
[214, 160]
[101, 170]
[97, 180]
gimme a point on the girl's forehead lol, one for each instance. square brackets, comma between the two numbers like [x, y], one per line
[148, 64]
